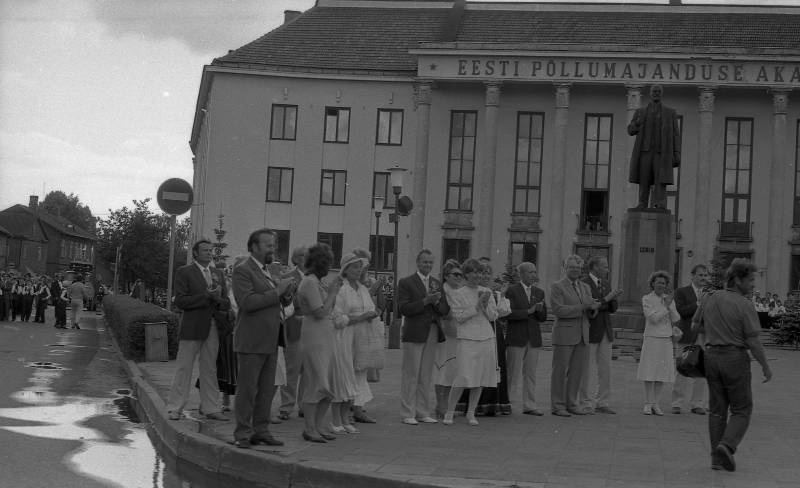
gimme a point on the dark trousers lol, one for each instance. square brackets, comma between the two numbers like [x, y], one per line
[728, 376]
[16, 306]
[5, 305]
[255, 389]
[41, 306]
[27, 307]
[61, 312]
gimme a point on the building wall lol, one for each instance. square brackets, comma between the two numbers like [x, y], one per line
[231, 165]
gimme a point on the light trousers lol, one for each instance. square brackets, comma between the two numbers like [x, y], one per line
[290, 394]
[416, 384]
[76, 307]
[188, 351]
[569, 366]
[521, 366]
[600, 357]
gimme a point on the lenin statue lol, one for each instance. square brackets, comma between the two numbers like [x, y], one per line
[657, 149]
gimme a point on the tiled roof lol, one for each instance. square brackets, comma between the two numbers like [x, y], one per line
[376, 38]
[18, 220]
[65, 226]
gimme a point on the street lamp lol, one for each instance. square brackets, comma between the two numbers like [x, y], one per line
[396, 174]
[377, 205]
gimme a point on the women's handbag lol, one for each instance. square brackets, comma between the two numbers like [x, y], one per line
[690, 362]
[368, 345]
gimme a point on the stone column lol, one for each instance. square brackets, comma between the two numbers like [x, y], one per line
[634, 98]
[702, 225]
[557, 229]
[777, 181]
[483, 201]
[422, 101]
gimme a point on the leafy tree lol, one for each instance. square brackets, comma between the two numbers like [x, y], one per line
[70, 207]
[143, 238]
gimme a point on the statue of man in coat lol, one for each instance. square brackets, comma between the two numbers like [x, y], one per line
[656, 151]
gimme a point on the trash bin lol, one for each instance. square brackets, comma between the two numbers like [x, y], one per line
[155, 342]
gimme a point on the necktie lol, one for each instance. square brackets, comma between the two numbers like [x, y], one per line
[575, 287]
[528, 293]
[268, 275]
[425, 284]
[207, 275]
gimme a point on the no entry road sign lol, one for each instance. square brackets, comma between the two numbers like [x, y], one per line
[175, 196]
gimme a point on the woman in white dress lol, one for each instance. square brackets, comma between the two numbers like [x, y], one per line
[476, 355]
[445, 361]
[657, 363]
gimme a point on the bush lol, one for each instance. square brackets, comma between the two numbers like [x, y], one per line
[788, 327]
[126, 316]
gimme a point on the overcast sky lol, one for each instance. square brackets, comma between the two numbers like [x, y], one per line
[97, 96]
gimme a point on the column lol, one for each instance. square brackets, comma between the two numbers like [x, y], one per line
[422, 101]
[557, 229]
[634, 98]
[483, 188]
[702, 225]
[777, 181]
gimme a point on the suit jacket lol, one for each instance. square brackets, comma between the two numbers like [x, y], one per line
[259, 322]
[686, 305]
[600, 325]
[293, 325]
[419, 318]
[643, 127]
[192, 297]
[572, 322]
[523, 328]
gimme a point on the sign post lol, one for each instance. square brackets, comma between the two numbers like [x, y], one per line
[174, 197]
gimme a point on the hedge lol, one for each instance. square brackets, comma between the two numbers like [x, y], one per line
[126, 316]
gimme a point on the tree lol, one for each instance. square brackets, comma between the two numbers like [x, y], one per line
[70, 207]
[144, 240]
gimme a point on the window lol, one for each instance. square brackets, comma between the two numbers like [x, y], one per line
[736, 186]
[334, 183]
[335, 241]
[528, 163]
[390, 127]
[279, 184]
[282, 247]
[284, 122]
[460, 169]
[596, 158]
[673, 189]
[724, 258]
[337, 125]
[794, 273]
[381, 188]
[522, 252]
[796, 220]
[457, 249]
[383, 255]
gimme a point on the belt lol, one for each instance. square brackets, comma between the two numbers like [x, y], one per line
[723, 346]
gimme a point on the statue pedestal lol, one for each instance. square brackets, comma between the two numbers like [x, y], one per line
[648, 244]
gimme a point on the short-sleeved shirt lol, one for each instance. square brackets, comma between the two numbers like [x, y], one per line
[729, 318]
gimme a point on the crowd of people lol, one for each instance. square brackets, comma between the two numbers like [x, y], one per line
[770, 309]
[26, 296]
[470, 344]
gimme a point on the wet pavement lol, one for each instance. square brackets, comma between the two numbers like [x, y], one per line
[67, 417]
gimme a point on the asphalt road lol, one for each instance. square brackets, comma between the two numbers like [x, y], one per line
[62, 420]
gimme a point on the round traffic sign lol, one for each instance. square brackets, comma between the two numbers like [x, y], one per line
[175, 196]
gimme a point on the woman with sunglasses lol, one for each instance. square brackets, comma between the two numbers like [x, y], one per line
[445, 360]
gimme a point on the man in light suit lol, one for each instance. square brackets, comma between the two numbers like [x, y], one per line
[421, 303]
[200, 291]
[291, 352]
[686, 300]
[524, 337]
[601, 335]
[255, 340]
[572, 303]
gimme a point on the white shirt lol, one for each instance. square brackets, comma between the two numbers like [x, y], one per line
[527, 290]
[595, 279]
[263, 268]
[425, 281]
[697, 292]
[206, 272]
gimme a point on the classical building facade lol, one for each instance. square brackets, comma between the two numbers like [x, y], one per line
[511, 119]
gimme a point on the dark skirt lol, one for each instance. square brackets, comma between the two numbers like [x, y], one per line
[226, 365]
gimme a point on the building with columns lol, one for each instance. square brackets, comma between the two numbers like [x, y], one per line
[511, 119]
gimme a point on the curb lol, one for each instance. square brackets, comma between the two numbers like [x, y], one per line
[184, 441]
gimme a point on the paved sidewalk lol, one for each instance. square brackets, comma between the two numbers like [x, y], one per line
[624, 450]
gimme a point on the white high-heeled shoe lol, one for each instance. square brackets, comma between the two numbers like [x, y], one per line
[471, 419]
[350, 429]
[337, 429]
[648, 409]
[448, 418]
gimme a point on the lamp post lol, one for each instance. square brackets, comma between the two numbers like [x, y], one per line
[396, 180]
[378, 206]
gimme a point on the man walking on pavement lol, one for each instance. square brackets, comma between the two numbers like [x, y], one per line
[200, 291]
[686, 300]
[731, 328]
[601, 335]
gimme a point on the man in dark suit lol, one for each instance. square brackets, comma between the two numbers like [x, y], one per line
[291, 352]
[657, 149]
[422, 306]
[524, 337]
[572, 303]
[601, 335]
[255, 340]
[686, 300]
[200, 292]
